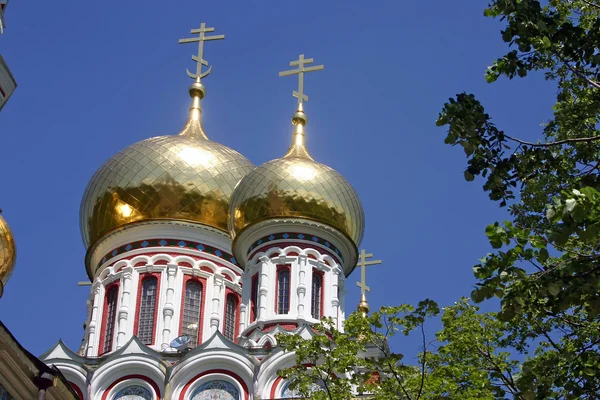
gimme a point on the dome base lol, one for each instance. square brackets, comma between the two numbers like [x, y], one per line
[329, 239]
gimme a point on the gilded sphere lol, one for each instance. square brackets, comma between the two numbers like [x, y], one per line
[297, 187]
[166, 177]
[8, 253]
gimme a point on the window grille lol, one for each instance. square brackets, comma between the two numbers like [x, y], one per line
[134, 392]
[230, 317]
[283, 291]
[254, 298]
[317, 286]
[147, 311]
[111, 312]
[191, 311]
[216, 390]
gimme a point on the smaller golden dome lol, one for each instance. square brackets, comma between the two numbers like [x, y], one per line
[8, 253]
[297, 186]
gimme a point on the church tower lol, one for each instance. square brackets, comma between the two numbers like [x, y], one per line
[197, 259]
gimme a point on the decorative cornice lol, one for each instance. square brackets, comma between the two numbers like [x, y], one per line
[169, 243]
[124, 228]
[287, 236]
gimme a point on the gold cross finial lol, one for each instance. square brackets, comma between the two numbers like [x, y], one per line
[363, 264]
[301, 62]
[199, 58]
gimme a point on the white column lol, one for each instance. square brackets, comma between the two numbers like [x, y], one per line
[124, 307]
[301, 288]
[263, 288]
[335, 301]
[246, 293]
[168, 309]
[215, 315]
[97, 301]
[342, 299]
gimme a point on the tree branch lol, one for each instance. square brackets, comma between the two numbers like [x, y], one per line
[557, 143]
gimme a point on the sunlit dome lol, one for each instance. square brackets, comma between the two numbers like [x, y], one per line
[297, 186]
[183, 177]
[8, 253]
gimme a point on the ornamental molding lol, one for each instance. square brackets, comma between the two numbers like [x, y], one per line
[217, 238]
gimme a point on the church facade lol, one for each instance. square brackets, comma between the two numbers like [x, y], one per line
[197, 259]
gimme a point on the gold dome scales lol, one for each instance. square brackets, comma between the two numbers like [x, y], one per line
[183, 177]
[8, 253]
[189, 177]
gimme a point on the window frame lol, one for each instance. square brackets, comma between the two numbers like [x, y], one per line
[109, 289]
[321, 309]
[202, 282]
[280, 269]
[254, 298]
[142, 278]
[230, 294]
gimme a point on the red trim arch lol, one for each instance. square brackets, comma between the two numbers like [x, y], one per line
[76, 389]
[141, 377]
[202, 282]
[274, 387]
[214, 371]
[136, 322]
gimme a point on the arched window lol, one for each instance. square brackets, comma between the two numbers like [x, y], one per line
[111, 312]
[190, 324]
[134, 392]
[221, 390]
[254, 299]
[283, 291]
[317, 295]
[230, 316]
[147, 313]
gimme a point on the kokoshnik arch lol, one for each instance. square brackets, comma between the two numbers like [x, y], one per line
[185, 237]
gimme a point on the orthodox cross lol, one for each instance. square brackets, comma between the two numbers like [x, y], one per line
[363, 264]
[301, 62]
[199, 60]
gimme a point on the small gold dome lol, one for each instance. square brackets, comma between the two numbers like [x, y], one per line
[297, 186]
[8, 253]
[184, 177]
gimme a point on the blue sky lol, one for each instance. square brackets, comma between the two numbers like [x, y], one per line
[95, 77]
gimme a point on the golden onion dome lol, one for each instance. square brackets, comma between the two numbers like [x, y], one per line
[183, 177]
[297, 186]
[8, 253]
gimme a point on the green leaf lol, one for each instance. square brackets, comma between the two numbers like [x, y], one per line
[554, 289]
[469, 176]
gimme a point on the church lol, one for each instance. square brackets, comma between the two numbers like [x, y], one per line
[197, 259]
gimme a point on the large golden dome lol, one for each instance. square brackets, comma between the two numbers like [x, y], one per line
[8, 253]
[297, 186]
[184, 177]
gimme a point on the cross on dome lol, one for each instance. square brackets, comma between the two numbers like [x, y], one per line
[363, 306]
[200, 61]
[301, 62]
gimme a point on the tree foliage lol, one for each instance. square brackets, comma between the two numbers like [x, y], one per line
[463, 361]
[546, 264]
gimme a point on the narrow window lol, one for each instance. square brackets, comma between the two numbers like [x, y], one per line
[147, 310]
[317, 289]
[190, 325]
[254, 299]
[111, 312]
[230, 317]
[283, 291]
